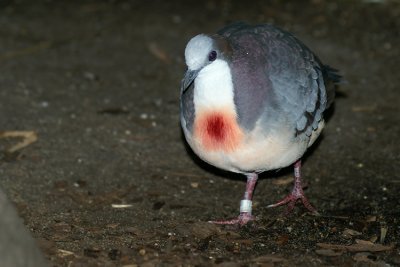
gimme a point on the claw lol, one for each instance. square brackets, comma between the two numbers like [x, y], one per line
[291, 200]
[296, 194]
[242, 219]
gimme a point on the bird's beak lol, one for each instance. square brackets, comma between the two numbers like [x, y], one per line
[190, 75]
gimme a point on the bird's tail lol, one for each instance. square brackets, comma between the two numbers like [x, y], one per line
[332, 80]
[333, 74]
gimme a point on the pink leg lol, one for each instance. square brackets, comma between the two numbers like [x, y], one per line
[296, 194]
[245, 205]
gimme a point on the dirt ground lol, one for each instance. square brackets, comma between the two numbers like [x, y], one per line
[110, 182]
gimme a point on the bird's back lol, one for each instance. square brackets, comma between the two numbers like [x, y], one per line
[277, 78]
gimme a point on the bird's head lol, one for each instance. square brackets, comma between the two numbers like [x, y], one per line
[201, 51]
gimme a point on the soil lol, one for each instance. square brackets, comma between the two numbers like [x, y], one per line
[110, 181]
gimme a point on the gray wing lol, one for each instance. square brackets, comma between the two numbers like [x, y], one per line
[247, 63]
[187, 107]
[298, 79]
[294, 77]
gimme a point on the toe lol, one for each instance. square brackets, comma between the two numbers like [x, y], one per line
[241, 220]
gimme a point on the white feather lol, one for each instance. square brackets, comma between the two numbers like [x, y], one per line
[213, 86]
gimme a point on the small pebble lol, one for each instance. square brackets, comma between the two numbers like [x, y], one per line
[90, 76]
[176, 19]
[44, 104]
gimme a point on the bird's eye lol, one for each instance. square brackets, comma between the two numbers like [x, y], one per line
[212, 56]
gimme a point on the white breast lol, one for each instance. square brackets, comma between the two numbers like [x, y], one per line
[213, 87]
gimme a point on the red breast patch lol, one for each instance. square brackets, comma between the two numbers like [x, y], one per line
[217, 130]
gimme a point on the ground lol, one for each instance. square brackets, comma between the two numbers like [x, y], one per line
[110, 182]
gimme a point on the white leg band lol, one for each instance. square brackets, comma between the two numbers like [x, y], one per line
[296, 172]
[245, 205]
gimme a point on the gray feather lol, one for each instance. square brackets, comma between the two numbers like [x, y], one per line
[277, 72]
[249, 80]
[187, 107]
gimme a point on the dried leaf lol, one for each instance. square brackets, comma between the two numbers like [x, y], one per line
[121, 206]
[384, 230]
[159, 53]
[282, 240]
[194, 185]
[362, 256]
[349, 233]
[364, 242]
[371, 218]
[362, 245]
[29, 137]
[373, 238]
[64, 253]
[268, 258]
[112, 225]
[363, 108]
[283, 181]
[328, 252]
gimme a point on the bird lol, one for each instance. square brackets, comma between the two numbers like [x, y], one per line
[252, 100]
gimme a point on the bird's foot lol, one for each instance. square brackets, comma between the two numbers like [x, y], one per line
[291, 200]
[242, 219]
[296, 194]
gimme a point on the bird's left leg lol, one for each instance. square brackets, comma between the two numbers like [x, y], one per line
[245, 204]
[296, 194]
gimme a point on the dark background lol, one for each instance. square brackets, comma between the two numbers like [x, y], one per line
[98, 81]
